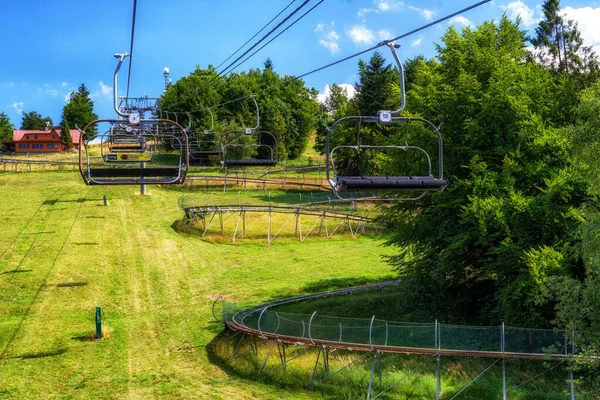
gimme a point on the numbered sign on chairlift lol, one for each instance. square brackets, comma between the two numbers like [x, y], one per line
[385, 117]
[134, 119]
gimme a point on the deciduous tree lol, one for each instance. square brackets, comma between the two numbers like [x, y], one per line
[6, 128]
[32, 121]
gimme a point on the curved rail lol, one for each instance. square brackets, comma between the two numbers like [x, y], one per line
[202, 211]
[370, 334]
[241, 180]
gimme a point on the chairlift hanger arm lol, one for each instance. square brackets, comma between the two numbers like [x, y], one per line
[121, 57]
[212, 122]
[393, 46]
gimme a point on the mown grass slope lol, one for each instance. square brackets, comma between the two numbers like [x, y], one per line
[62, 253]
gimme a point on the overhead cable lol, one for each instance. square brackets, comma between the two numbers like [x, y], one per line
[256, 34]
[131, 49]
[224, 70]
[267, 35]
[279, 34]
[378, 45]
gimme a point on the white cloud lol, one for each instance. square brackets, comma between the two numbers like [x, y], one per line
[384, 34]
[587, 19]
[18, 106]
[363, 11]
[388, 5]
[10, 84]
[106, 90]
[64, 84]
[460, 20]
[418, 41]
[328, 38]
[528, 16]
[381, 6]
[360, 34]
[68, 95]
[332, 46]
[425, 13]
[348, 88]
[48, 90]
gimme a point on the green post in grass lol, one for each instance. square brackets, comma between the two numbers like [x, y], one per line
[98, 323]
[104, 198]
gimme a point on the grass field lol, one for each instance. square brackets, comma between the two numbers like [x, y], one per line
[62, 253]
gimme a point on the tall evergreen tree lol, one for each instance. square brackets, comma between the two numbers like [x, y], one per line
[559, 44]
[559, 47]
[65, 134]
[34, 121]
[79, 111]
[6, 129]
[377, 88]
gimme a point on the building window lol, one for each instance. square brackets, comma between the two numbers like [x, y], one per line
[35, 136]
[26, 136]
[23, 146]
[53, 146]
[37, 146]
[53, 136]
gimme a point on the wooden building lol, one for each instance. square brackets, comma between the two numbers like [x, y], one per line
[44, 141]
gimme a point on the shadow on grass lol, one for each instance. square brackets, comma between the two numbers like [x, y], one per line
[292, 196]
[325, 285]
[42, 354]
[43, 233]
[85, 243]
[90, 337]
[16, 271]
[70, 284]
[95, 216]
[51, 202]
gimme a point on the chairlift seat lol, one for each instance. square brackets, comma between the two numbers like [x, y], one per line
[206, 152]
[127, 149]
[251, 163]
[358, 183]
[133, 172]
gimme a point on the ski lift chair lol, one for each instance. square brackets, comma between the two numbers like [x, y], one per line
[358, 187]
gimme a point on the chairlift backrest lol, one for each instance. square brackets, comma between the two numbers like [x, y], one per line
[383, 183]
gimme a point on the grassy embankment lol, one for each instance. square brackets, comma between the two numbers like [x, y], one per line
[62, 253]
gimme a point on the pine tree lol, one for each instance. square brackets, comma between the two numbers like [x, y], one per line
[559, 44]
[376, 88]
[79, 111]
[65, 136]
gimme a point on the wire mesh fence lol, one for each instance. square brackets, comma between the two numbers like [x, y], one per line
[379, 333]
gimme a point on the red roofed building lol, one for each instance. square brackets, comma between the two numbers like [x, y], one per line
[46, 141]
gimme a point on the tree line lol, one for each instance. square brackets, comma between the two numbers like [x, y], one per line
[514, 237]
[288, 109]
[77, 112]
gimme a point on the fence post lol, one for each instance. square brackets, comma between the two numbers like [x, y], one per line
[98, 323]
[438, 382]
[503, 362]
[571, 383]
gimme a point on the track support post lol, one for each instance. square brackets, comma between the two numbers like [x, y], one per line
[376, 357]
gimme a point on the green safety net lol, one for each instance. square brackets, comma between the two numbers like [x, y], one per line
[377, 332]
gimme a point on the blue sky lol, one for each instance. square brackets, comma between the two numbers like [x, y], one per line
[51, 47]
